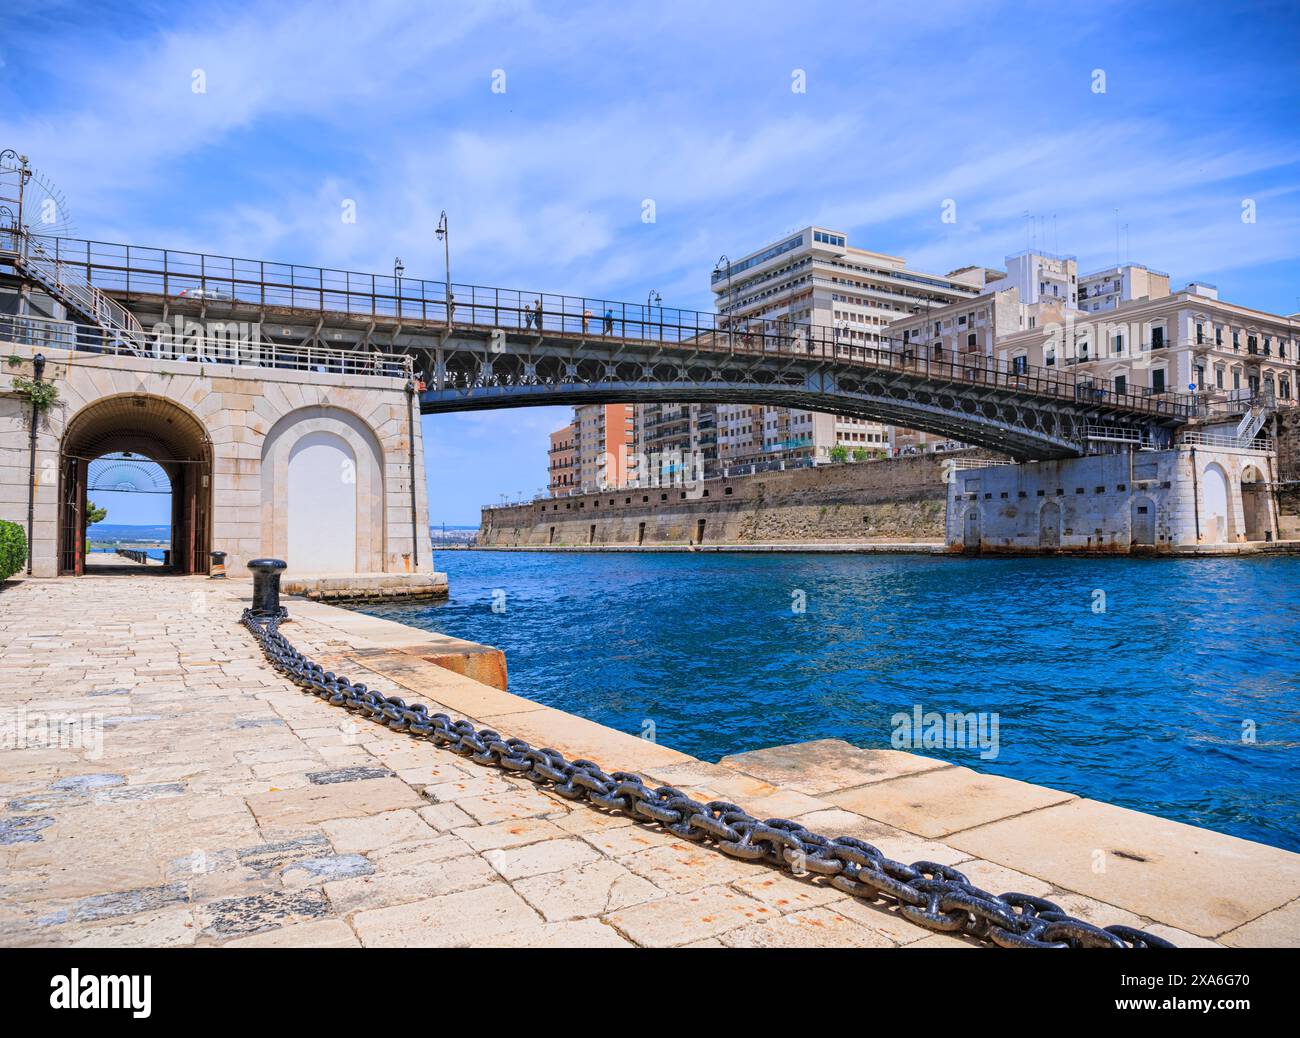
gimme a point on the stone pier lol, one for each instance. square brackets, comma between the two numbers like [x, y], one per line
[162, 785]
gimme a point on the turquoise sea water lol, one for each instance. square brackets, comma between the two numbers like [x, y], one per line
[1181, 697]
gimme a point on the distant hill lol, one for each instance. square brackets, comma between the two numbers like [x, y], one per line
[123, 532]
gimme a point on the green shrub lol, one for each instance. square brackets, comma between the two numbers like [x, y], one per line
[13, 549]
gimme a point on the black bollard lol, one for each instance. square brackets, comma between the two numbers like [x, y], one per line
[218, 569]
[266, 587]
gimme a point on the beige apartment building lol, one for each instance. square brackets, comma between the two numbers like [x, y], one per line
[1189, 341]
[561, 461]
[594, 451]
[814, 278]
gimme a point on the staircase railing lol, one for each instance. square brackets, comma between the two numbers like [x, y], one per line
[72, 288]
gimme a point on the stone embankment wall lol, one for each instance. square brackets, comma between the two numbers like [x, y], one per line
[894, 500]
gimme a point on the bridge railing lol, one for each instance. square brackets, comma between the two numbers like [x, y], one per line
[45, 333]
[136, 271]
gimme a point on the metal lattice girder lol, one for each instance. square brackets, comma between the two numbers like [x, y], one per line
[1001, 417]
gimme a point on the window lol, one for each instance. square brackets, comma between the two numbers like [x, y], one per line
[1218, 378]
[1119, 342]
[1049, 357]
[1019, 365]
[970, 340]
[1200, 333]
[1121, 384]
[1157, 338]
[1157, 381]
[1218, 335]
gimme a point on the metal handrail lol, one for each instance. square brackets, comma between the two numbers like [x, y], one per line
[135, 271]
[45, 333]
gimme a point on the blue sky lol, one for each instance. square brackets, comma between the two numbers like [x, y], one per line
[391, 104]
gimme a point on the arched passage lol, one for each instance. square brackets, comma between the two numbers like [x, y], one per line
[1216, 515]
[1254, 504]
[154, 428]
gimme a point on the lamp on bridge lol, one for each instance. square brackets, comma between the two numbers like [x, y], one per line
[444, 235]
[724, 263]
[398, 271]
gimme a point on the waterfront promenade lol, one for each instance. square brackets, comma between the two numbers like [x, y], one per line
[207, 801]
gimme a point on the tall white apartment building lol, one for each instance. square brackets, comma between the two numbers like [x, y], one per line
[1041, 277]
[814, 278]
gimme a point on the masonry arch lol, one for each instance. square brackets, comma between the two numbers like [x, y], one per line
[152, 427]
[323, 503]
[1049, 525]
[1216, 511]
[1255, 504]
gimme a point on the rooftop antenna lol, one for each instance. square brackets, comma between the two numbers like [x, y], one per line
[1117, 256]
[1056, 238]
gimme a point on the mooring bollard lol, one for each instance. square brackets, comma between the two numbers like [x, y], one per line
[266, 587]
[217, 571]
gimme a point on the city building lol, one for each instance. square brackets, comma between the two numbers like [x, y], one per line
[562, 472]
[1043, 277]
[1121, 283]
[1188, 341]
[814, 278]
[605, 444]
[676, 443]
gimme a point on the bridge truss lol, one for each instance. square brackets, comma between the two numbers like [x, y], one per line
[496, 347]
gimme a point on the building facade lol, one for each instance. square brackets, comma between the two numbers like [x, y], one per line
[1107, 288]
[561, 468]
[814, 278]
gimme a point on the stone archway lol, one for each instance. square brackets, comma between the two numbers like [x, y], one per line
[1216, 505]
[1255, 504]
[155, 428]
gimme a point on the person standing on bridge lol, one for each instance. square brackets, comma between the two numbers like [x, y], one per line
[586, 321]
[537, 305]
[609, 322]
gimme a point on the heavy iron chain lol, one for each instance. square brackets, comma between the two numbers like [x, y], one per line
[935, 896]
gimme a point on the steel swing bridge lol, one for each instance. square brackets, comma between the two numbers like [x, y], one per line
[497, 347]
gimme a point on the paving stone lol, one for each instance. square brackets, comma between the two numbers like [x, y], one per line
[682, 866]
[241, 916]
[591, 890]
[381, 830]
[463, 918]
[534, 859]
[417, 883]
[122, 794]
[1149, 865]
[308, 871]
[268, 856]
[325, 778]
[683, 918]
[578, 933]
[826, 765]
[127, 902]
[323, 933]
[810, 928]
[24, 829]
[945, 801]
[319, 803]
[83, 783]
[513, 833]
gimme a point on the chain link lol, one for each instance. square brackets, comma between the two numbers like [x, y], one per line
[937, 897]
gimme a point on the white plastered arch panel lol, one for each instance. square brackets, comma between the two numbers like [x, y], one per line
[319, 425]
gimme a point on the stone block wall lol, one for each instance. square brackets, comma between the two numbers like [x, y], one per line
[253, 418]
[895, 500]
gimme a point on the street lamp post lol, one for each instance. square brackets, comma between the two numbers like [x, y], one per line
[444, 236]
[398, 271]
[651, 301]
